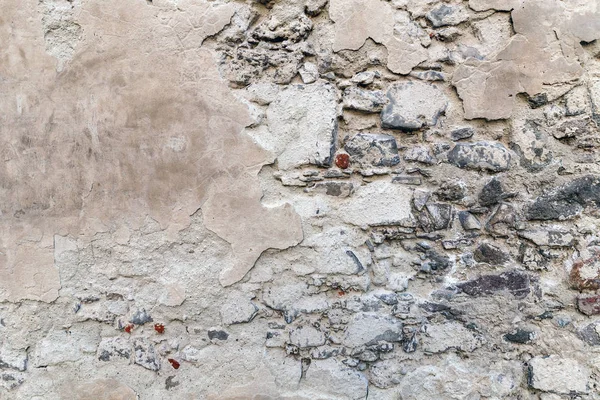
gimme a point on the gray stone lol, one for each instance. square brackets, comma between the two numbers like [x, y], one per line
[413, 105]
[521, 336]
[447, 14]
[514, 282]
[386, 373]
[332, 188]
[111, 349]
[303, 125]
[364, 100]
[420, 154]
[306, 336]
[141, 317]
[146, 355]
[440, 338]
[238, 309]
[486, 253]
[530, 143]
[462, 133]
[435, 217]
[364, 78]
[549, 237]
[558, 375]
[468, 221]
[309, 72]
[369, 328]
[452, 190]
[372, 149]
[492, 193]
[489, 156]
[566, 201]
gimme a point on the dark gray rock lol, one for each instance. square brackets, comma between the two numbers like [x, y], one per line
[489, 156]
[462, 133]
[515, 282]
[141, 317]
[372, 149]
[538, 100]
[217, 334]
[452, 190]
[521, 336]
[468, 221]
[589, 334]
[566, 201]
[435, 217]
[489, 254]
[492, 193]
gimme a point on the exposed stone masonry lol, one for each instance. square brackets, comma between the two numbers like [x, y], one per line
[308, 199]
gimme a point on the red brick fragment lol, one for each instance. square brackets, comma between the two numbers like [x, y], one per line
[342, 161]
[160, 328]
[174, 363]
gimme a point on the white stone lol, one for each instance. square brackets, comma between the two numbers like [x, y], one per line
[303, 124]
[559, 375]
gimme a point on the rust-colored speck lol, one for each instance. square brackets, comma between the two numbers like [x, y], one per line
[174, 363]
[160, 328]
[128, 328]
[342, 161]
[341, 293]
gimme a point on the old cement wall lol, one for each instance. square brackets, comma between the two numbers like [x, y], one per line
[299, 199]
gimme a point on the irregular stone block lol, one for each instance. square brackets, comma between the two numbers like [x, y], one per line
[372, 149]
[558, 375]
[514, 282]
[306, 336]
[332, 188]
[146, 355]
[303, 124]
[386, 205]
[520, 336]
[549, 237]
[489, 254]
[435, 217]
[589, 304]
[238, 309]
[566, 201]
[439, 338]
[413, 105]
[369, 328]
[488, 156]
[364, 100]
[462, 133]
[468, 221]
[447, 14]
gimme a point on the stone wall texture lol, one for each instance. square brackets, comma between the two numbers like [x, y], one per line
[299, 199]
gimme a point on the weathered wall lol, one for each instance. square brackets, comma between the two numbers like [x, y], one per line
[299, 199]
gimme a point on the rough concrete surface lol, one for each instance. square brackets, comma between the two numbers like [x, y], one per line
[300, 199]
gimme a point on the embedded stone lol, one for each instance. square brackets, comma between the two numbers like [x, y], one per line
[369, 328]
[306, 336]
[303, 125]
[489, 254]
[488, 156]
[468, 221]
[558, 375]
[588, 304]
[451, 336]
[146, 355]
[492, 193]
[566, 201]
[372, 149]
[447, 14]
[514, 282]
[413, 105]
[435, 217]
[462, 133]
[520, 336]
[364, 100]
